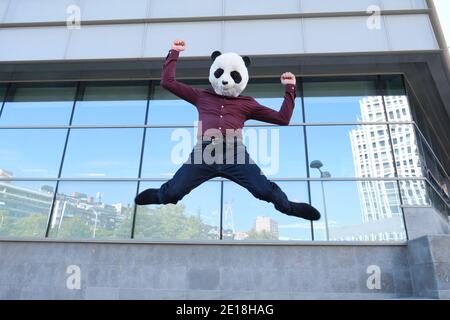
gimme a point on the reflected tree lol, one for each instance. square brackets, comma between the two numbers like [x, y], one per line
[169, 222]
[33, 225]
[74, 227]
[261, 235]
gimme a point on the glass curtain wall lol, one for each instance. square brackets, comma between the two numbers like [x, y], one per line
[74, 155]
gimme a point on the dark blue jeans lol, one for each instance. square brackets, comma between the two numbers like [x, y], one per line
[230, 161]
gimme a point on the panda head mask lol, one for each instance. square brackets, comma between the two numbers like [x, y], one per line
[228, 74]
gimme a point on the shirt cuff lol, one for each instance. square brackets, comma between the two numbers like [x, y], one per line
[174, 54]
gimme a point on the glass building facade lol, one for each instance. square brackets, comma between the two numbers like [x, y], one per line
[74, 155]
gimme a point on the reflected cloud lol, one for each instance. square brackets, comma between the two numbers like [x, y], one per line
[34, 170]
[104, 164]
[167, 174]
[95, 175]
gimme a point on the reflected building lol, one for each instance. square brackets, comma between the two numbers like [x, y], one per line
[266, 224]
[92, 210]
[373, 158]
[19, 202]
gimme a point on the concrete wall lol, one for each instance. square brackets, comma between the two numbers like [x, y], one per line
[13, 11]
[37, 270]
[429, 259]
[36, 30]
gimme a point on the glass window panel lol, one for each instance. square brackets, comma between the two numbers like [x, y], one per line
[98, 153]
[342, 100]
[279, 151]
[397, 108]
[24, 207]
[164, 104]
[31, 152]
[358, 211]
[406, 151]
[164, 156]
[414, 192]
[248, 218]
[112, 103]
[351, 151]
[270, 93]
[393, 85]
[2, 93]
[38, 104]
[93, 210]
[168, 109]
[195, 217]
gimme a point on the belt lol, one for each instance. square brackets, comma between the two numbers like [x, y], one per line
[221, 140]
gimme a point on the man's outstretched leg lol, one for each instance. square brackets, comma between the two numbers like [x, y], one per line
[188, 177]
[249, 176]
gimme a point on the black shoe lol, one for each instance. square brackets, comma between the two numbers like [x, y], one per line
[149, 196]
[304, 210]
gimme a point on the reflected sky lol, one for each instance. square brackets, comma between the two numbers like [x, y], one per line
[99, 153]
[47, 104]
[32, 152]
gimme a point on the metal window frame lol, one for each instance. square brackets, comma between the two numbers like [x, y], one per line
[52, 207]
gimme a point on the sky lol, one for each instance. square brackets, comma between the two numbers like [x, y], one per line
[443, 8]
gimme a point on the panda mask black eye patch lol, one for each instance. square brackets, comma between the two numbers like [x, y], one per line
[218, 73]
[236, 76]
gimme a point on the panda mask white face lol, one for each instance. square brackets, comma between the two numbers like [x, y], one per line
[228, 74]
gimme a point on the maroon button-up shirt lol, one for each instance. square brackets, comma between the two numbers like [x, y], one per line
[221, 112]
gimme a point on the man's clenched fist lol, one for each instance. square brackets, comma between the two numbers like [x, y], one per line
[179, 45]
[288, 78]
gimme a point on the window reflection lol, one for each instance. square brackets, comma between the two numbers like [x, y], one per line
[97, 210]
[195, 217]
[351, 151]
[111, 103]
[414, 192]
[99, 153]
[24, 207]
[166, 149]
[358, 211]
[270, 93]
[38, 104]
[406, 151]
[168, 109]
[248, 218]
[278, 151]
[31, 152]
[342, 100]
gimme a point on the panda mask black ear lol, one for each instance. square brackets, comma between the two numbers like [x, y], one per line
[247, 61]
[215, 54]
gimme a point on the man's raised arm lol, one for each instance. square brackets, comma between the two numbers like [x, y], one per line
[168, 80]
[282, 117]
